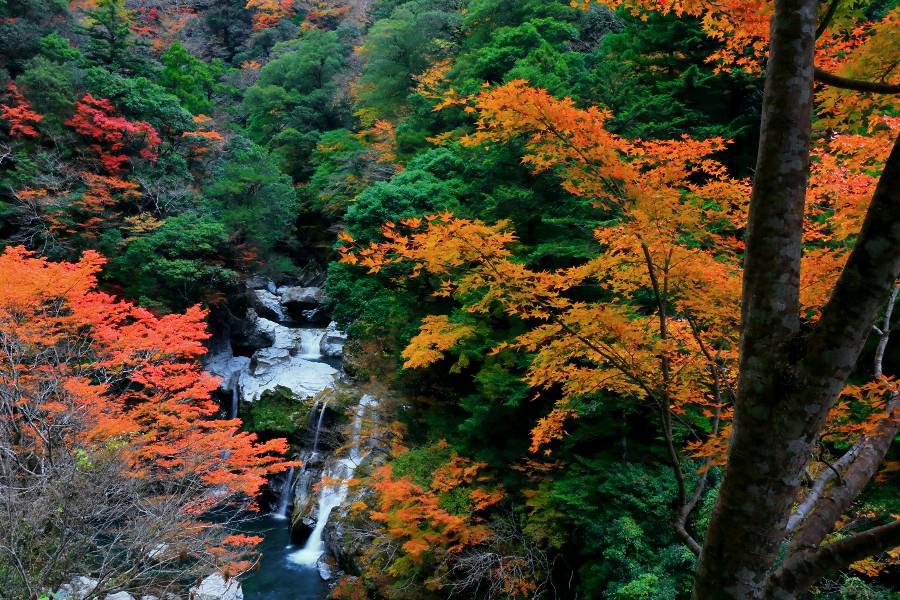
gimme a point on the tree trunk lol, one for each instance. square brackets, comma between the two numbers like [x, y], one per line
[754, 502]
[788, 380]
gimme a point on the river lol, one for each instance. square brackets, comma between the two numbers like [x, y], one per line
[278, 577]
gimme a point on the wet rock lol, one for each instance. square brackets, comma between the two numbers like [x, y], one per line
[225, 365]
[309, 297]
[267, 305]
[276, 367]
[332, 344]
[326, 572]
[316, 316]
[257, 282]
[215, 587]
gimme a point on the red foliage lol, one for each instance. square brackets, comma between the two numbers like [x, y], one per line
[123, 378]
[20, 116]
[113, 134]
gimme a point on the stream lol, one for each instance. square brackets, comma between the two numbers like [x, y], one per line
[279, 577]
[305, 360]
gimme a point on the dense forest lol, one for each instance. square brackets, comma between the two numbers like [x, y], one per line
[432, 299]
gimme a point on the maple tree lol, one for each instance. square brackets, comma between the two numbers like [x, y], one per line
[668, 239]
[438, 527]
[113, 136]
[665, 239]
[21, 118]
[267, 13]
[100, 392]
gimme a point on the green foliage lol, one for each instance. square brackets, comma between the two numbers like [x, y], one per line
[296, 98]
[176, 263]
[190, 79]
[23, 23]
[276, 412]
[653, 77]
[251, 196]
[109, 40]
[415, 36]
[419, 464]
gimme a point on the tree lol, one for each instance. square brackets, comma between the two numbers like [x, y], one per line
[111, 452]
[692, 328]
[110, 40]
[21, 119]
[296, 98]
[96, 119]
[189, 78]
[252, 198]
[417, 34]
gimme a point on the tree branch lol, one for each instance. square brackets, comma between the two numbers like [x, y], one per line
[856, 85]
[826, 19]
[801, 571]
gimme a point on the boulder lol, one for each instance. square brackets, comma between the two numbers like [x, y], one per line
[305, 297]
[278, 336]
[267, 305]
[317, 316]
[273, 367]
[332, 344]
[257, 282]
[215, 587]
[119, 596]
[324, 568]
[79, 587]
[227, 367]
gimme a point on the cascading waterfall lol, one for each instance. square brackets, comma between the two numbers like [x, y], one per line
[311, 343]
[284, 498]
[319, 427]
[235, 393]
[332, 495]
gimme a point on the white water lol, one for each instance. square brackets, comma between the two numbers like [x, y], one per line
[284, 498]
[319, 427]
[334, 488]
[235, 393]
[310, 343]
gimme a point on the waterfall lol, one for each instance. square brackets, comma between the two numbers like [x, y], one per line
[331, 495]
[235, 393]
[319, 427]
[284, 498]
[310, 343]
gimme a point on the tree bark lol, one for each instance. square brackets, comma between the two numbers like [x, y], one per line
[748, 521]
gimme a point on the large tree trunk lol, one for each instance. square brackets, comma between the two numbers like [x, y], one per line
[755, 498]
[788, 379]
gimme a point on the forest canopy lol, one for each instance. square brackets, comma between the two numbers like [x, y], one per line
[627, 271]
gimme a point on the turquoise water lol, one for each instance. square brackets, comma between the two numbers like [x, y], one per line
[278, 578]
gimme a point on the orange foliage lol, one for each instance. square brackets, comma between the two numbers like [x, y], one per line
[267, 13]
[677, 236]
[849, 45]
[122, 378]
[415, 518]
[22, 120]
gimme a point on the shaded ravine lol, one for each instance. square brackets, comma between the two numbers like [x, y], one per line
[307, 361]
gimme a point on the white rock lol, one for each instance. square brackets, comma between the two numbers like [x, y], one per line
[215, 587]
[303, 377]
[119, 596]
[79, 587]
[311, 296]
[332, 344]
[268, 305]
[324, 568]
[283, 338]
[226, 366]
